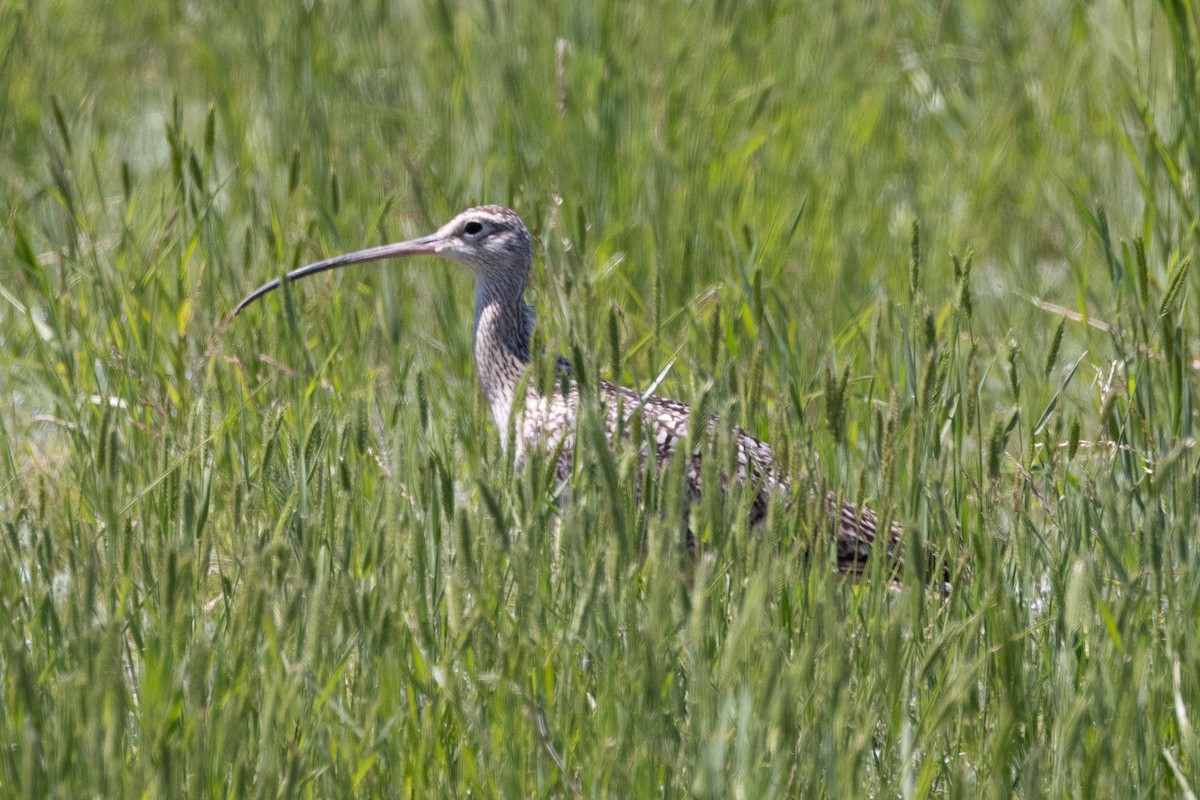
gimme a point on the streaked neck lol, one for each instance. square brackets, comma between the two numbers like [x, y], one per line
[503, 324]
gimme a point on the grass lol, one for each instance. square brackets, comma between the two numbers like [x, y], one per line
[940, 255]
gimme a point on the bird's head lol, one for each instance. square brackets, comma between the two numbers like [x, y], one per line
[486, 239]
[491, 240]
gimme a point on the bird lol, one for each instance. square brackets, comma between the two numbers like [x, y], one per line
[495, 245]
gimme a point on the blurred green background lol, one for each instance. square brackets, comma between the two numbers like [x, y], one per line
[937, 253]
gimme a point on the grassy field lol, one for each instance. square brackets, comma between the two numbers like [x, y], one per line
[937, 253]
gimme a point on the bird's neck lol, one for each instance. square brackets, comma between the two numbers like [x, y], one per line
[503, 325]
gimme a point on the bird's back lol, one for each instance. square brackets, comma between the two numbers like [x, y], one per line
[550, 423]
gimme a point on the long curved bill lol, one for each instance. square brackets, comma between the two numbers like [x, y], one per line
[426, 245]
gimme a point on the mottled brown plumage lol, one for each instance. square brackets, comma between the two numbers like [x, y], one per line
[494, 244]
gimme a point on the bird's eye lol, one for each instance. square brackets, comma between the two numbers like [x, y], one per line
[472, 228]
